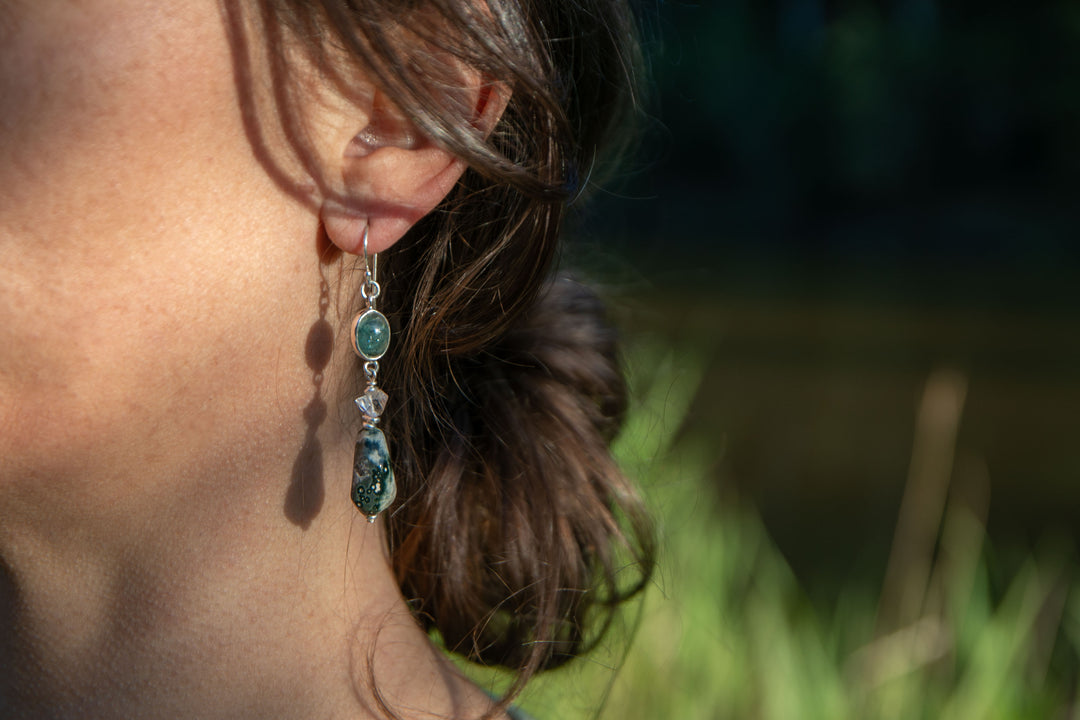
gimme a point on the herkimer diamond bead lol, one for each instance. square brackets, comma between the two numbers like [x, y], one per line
[372, 403]
[373, 487]
[371, 335]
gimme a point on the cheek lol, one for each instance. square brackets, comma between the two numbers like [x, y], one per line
[155, 287]
[115, 118]
[97, 94]
[181, 387]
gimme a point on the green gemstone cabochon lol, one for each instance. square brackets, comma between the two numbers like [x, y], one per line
[371, 335]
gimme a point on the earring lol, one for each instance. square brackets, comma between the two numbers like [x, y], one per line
[373, 487]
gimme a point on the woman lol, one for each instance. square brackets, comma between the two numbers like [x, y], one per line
[187, 191]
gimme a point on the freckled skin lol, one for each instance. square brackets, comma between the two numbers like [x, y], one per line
[164, 266]
[373, 488]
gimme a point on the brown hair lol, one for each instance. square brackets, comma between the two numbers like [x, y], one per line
[514, 526]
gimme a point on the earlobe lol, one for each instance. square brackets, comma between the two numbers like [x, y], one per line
[391, 176]
[389, 190]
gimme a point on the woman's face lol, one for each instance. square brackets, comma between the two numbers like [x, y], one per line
[157, 287]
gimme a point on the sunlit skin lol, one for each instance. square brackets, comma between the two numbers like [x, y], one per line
[176, 533]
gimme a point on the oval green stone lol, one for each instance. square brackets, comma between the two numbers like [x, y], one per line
[372, 335]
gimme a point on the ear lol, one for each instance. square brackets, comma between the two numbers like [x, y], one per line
[392, 175]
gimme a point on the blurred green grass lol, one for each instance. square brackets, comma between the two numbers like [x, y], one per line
[726, 630]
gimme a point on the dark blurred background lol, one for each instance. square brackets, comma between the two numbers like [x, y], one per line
[836, 200]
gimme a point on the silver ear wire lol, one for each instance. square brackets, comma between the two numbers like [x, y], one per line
[369, 290]
[371, 266]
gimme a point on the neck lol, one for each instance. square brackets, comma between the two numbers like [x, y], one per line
[250, 617]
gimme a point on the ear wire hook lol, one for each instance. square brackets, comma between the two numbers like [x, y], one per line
[370, 289]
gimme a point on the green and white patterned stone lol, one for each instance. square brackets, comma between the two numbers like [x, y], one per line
[373, 486]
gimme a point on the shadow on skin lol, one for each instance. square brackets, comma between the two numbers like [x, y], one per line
[276, 133]
[304, 498]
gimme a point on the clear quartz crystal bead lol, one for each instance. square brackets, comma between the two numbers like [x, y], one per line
[372, 402]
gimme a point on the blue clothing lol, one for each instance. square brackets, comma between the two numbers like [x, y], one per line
[514, 712]
[517, 713]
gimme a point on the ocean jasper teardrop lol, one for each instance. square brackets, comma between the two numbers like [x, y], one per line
[373, 488]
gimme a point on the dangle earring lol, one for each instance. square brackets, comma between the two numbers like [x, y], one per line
[373, 487]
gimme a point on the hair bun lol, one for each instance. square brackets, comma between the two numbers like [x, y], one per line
[566, 345]
[513, 543]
